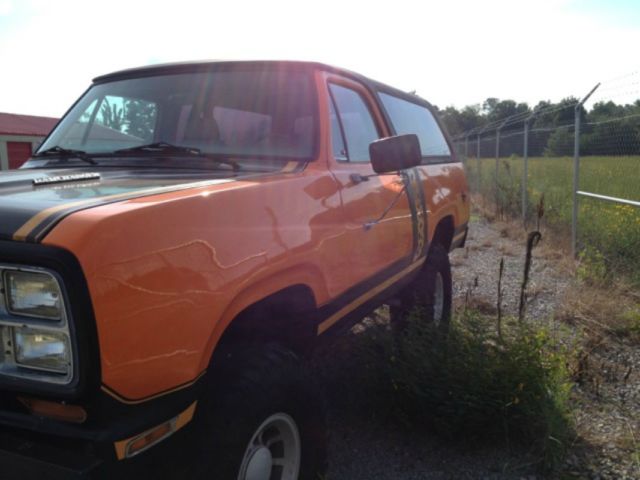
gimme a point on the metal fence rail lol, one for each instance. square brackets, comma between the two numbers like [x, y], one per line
[622, 201]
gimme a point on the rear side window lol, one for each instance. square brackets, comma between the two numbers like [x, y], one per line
[408, 117]
[356, 121]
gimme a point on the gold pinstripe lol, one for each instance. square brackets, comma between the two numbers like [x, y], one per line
[367, 296]
[23, 232]
[121, 399]
[460, 235]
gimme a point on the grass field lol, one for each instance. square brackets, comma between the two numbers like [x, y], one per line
[608, 234]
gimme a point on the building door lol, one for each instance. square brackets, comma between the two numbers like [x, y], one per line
[19, 152]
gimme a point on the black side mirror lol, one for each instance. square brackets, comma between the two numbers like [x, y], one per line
[395, 153]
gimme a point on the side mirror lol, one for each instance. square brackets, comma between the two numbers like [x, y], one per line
[395, 153]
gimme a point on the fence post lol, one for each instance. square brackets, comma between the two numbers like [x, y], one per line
[497, 164]
[525, 169]
[478, 161]
[576, 172]
[466, 147]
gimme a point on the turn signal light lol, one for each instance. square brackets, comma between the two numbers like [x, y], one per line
[132, 446]
[55, 410]
[150, 438]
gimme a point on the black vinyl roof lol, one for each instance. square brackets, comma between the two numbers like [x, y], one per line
[205, 66]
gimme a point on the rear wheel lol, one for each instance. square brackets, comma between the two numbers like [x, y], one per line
[429, 294]
[261, 419]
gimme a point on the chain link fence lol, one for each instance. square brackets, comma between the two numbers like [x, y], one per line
[583, 156]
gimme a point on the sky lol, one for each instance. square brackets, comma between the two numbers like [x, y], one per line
[450, 52]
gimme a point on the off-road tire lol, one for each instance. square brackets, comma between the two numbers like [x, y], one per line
[247, 386]
[420, 294]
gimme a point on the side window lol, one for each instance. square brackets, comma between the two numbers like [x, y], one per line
[356, 121]
[408, 117]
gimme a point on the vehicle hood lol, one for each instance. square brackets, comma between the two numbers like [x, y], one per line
[30, 208]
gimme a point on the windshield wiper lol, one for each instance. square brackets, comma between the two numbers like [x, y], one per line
[160, 147]
[65, 154]
[169, 148]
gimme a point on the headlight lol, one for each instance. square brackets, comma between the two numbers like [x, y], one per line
[35, 333]
[33, 294]
[42, 350]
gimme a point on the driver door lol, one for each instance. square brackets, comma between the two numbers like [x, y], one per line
[378, 218]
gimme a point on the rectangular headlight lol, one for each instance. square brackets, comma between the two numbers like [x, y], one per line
[42, 350]
[36, 342]
[33, 294]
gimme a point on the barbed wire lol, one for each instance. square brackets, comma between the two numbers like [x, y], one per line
[606, 92]
[614, 120]
[515, 119]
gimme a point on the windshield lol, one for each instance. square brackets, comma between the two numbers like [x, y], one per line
[236, 113]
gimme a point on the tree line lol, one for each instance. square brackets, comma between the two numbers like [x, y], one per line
[606, 129]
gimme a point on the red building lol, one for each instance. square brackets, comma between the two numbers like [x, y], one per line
[20, 136]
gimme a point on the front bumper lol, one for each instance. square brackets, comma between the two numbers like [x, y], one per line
[27, 458]
[33, 447]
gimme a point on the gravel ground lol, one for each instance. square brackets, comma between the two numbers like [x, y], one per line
[476, 267]
[608, 400]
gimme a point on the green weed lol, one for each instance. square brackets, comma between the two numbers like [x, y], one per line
[470, 386]
[591, 268]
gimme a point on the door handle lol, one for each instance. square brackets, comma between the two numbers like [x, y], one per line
[356, 178]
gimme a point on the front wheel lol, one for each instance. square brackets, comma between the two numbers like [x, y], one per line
[274, 448]
[261, 419]
[429, 295]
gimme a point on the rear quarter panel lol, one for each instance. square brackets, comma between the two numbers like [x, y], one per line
[447, 194]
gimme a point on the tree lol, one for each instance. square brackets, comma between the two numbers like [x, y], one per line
[140, 118]
[111, 116]
[505, 109]
[560, 143]
[489, 105]
[607, 129]
[459, 122]
[618, 137]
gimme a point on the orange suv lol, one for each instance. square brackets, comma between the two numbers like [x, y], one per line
[183, 237]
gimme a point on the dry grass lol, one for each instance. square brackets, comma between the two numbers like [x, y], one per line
[456, 262]
[487, 243]
[602, 311]
[479, 304]
[508, 250]
[555, 247]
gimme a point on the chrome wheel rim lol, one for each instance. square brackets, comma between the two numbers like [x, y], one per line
[273, 453]
[438, 299]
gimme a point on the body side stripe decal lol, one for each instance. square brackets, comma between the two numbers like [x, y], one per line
[34, 229]
[325, 324]
[24, 233]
